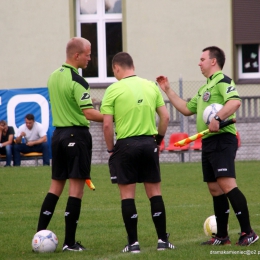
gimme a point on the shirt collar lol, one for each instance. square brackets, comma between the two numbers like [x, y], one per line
[129, 76]
[66, 65]
[214, 76]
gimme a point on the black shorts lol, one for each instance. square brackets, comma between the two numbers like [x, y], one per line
[71, 153]
[218, 157]
[135, 159]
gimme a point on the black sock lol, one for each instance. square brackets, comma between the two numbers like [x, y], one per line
[47, 210]
[71, 219]
[221, 209]
[130, 218]
[239, 205]
[159, 216]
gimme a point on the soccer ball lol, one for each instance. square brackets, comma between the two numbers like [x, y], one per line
[210, 226]
[210, 111]
[44, 241]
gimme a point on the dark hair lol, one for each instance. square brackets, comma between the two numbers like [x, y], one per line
[30, 117]
[124, 60]
[3, 122]
[218, 54]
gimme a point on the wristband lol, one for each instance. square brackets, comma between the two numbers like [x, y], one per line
[1, 145]
[159, 139]
[111, 151]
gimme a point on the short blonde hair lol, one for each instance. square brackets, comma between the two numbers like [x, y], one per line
[76, 45]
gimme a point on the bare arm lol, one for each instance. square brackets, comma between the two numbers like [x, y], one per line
[108, 131]
[228, 109]
[176, 101]
[39, 141]
[18, 139]
[93, 114]
[9, 141]
[163, 120]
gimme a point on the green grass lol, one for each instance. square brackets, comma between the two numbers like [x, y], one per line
[101, 228]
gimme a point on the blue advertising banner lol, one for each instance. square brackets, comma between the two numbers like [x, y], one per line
[16, 103]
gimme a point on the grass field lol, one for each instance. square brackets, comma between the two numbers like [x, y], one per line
[101, 228]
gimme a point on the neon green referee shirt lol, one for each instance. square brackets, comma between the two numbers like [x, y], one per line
[219, 89]
[133, 102]
[69, 95]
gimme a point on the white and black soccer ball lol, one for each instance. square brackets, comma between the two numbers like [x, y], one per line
[210, 226]
[210, 111]
[44, 241]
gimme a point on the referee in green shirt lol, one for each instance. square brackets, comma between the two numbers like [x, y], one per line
[132, 104]
[220, 146]
[72, 110]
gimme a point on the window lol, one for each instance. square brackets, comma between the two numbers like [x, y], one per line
[100, 21]
[248, 61]
[246, 37]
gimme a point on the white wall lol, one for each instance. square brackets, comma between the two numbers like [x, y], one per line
[163, 36]
[167, 36]
[34, 35]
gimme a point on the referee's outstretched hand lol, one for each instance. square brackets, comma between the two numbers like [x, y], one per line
[163, 83]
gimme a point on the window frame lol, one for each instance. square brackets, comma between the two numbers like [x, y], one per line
[245, 31]
[246, 75]
[100, 18]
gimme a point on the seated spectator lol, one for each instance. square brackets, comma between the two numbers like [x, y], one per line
[31, 137]
[6, 141]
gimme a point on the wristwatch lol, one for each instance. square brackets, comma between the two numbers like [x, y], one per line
[111, 151]
[217, 118]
